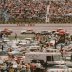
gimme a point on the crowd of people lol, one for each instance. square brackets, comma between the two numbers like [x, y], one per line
[33, 10]
[23, 9]
[11, 62]
[61, 10]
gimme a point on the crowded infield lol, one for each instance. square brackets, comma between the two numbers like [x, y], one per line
[45, 51]
[35, 35]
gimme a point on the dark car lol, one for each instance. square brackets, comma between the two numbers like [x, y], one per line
[44, 32]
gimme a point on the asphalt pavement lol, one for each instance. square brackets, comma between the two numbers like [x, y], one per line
[16, 28]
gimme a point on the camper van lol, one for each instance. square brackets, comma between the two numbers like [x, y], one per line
[47, 57]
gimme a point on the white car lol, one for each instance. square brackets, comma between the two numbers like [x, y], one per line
[23, 31]
[24, 42]
[27, 31]
[34, 48]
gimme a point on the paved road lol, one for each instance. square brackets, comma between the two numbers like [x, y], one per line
[37, 27]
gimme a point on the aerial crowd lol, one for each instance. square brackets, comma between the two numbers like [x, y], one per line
[33, 10]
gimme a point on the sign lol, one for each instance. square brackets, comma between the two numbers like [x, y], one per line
[26, 25]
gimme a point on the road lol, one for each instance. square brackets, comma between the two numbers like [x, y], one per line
[37, 27]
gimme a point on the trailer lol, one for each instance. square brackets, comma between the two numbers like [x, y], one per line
[47, 57]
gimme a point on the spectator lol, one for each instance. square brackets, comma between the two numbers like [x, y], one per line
[33, 67]
[2, 47]
[16, 36]
[28, 68]
[23, 68]
[38, 66]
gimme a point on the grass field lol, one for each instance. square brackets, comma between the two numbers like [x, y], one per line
[22, 36]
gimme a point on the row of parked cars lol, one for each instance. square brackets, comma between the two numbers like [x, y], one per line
[30, 31]
[59, 31]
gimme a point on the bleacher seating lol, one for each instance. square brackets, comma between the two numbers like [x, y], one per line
[35, 10]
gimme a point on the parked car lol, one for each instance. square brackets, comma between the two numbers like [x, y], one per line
[30, 31]
[45, 32]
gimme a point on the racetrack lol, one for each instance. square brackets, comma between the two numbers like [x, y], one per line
[36, 27]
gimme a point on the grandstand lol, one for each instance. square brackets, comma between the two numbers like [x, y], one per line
[51, 11]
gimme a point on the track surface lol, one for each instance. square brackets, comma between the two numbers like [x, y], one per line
[37, 27]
